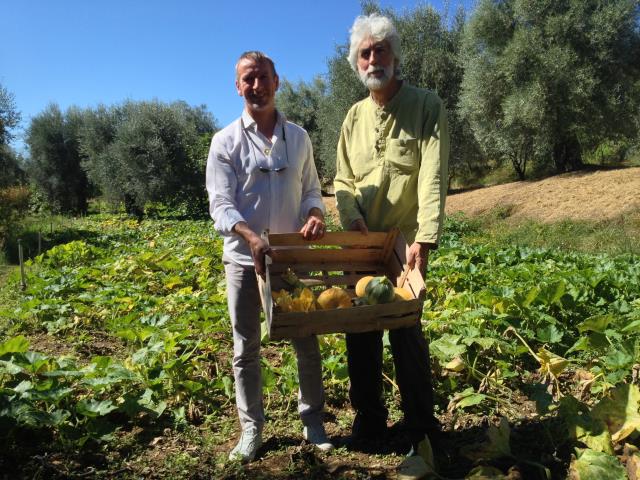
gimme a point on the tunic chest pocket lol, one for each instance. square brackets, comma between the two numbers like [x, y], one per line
[402, 154]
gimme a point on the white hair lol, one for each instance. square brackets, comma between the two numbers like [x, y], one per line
[377, 27]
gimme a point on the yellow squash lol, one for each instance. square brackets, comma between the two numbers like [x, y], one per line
[334, 297]
[402, 294]
[362, 285]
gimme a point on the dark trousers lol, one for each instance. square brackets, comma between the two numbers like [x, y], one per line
[413, 376]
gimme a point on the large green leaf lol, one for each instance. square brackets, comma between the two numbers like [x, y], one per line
[497, 445]
[447, 347]
[583, 428]
[597, 323]
[620, 411]
[95, 408]
[17, 344]
[592, 465]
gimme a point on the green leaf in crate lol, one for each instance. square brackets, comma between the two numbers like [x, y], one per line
[592, 465]
[17, 344]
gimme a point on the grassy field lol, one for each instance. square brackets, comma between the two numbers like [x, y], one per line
[115, 362]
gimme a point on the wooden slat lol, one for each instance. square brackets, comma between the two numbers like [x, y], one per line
[389, 244]
[292, 256]
[334, 324]
[349, 281]
[352, 239]
[347, 315]
[318, 266]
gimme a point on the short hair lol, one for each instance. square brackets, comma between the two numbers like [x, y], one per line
[377, 27]
[257, 57]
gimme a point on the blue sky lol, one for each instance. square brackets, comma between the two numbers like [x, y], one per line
[84, 53]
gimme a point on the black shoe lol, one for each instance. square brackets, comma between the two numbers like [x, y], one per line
[366, 436]
[369, 428]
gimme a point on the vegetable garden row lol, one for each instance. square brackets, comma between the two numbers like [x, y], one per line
[127, 326]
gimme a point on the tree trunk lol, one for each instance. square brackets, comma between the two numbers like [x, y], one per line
[132, 208]
[567, 154]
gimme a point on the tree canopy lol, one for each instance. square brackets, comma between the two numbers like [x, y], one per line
[545, 81]
[300, 102]
[53, 138]
[141, 152]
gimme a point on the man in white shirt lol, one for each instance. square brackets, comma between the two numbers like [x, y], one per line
[261, 176]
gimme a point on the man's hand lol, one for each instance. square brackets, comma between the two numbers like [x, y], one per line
[359, 225]
[418, 256]
[314, 227]
[259, 247]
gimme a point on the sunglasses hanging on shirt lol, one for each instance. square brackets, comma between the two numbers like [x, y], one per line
[267, 151]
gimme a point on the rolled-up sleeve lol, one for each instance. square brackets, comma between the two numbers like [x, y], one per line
[433, 176]
[344, 182]
[221, 181]
[311, 193]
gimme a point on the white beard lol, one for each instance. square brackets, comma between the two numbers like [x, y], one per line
[375, 83]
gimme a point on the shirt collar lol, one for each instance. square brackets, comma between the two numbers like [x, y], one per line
[391, 104]
[248, 123]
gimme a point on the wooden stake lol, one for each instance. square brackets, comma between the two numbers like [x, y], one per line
[23, 281]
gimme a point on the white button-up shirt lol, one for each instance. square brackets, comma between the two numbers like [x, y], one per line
[271, 184]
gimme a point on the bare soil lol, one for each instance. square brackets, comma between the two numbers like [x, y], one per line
[585, 195]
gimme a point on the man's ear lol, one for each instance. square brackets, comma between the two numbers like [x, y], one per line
[238, 88]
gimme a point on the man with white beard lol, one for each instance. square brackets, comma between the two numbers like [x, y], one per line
[392, 172]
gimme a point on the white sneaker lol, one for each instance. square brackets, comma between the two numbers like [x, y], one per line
[249, 443]
[315, 434]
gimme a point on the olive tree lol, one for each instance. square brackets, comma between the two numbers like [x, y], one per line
[11, 172]
[545, 81]
[146, 151]
[54, 158]
[301, 102]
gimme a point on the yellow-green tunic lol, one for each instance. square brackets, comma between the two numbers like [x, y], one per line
[392, 165]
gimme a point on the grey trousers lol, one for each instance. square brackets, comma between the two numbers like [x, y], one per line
[244, 309]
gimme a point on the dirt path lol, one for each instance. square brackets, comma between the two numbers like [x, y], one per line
[588, 195]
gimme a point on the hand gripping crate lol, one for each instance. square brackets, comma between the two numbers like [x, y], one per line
[340, 259]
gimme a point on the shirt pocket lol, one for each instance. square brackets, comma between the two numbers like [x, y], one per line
[402, 155]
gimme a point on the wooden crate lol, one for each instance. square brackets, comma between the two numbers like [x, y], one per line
[341, 259]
